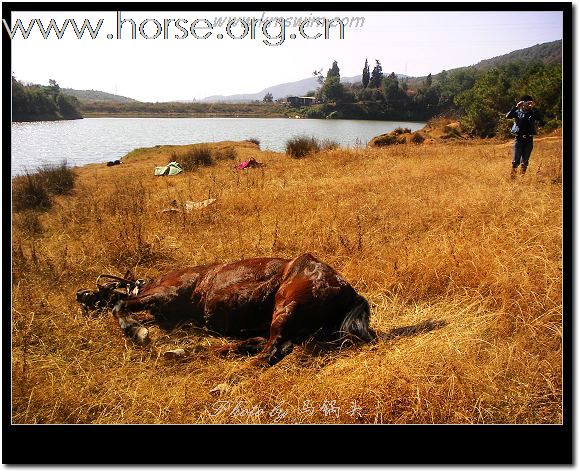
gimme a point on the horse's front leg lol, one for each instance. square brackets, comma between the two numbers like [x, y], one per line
[130, 326]
[279, 343]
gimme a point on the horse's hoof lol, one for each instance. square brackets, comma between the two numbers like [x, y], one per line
[175, 354]
[141, 335]
[220, 389]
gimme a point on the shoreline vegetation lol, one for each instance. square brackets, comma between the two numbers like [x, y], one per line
[422, 231]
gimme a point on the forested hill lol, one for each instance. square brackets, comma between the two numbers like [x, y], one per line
[42, 103]
[97, 96]
[547, 53]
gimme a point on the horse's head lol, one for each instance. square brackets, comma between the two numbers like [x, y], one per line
[108, 294]
[88, 298]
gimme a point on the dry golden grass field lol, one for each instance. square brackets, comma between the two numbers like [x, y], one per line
[422, 231]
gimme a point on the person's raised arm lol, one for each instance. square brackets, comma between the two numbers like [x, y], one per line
[512, 112]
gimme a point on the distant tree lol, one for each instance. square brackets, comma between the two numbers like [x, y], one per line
[546, 88]
[364, 94]
[484, 103]
[311, 93]
[443, 77]
[19, 99]
[376, 76]
[334, 71]
[319, 76]
[348, 95]
[268, 97]
[377, 95]
[68, 106]
[496, 90]
[391, 87]
[366, 75]
[53, 86]
[395, 94]
[429, 80]
[332, 89]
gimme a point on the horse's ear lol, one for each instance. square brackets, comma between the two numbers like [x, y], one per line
[129, 275]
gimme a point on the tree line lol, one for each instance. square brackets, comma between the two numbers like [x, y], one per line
[480, 98]
[40, 102]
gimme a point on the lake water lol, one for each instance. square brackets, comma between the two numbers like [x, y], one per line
[105, 139]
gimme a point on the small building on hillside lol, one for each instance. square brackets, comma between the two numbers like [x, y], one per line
[300, 101]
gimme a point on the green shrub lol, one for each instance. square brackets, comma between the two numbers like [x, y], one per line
[313, 112]
[503, 128]
[551, 125]
[301, 146]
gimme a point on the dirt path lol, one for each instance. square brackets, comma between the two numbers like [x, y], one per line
[511, 143]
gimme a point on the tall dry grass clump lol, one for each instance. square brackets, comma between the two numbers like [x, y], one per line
[256, 141]
[302, 146]
[59, 178]
[30, 192]
[34, 190]
[202, 155]
[422, 231]
[194, 158]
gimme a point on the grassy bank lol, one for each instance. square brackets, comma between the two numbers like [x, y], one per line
[180, 110]
[352, 111]
[422, 231]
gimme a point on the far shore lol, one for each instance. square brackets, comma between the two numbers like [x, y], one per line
[376, 111]
[179, 115]
[224, 115]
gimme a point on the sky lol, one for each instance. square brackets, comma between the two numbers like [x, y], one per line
[162, 69]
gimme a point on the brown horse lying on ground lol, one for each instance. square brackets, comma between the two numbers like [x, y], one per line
[270, 303]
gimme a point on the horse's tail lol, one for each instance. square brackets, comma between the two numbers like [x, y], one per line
[355, 323]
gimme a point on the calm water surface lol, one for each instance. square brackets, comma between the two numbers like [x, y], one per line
[104, 139]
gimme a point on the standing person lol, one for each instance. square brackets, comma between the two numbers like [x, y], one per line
[525, 117]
